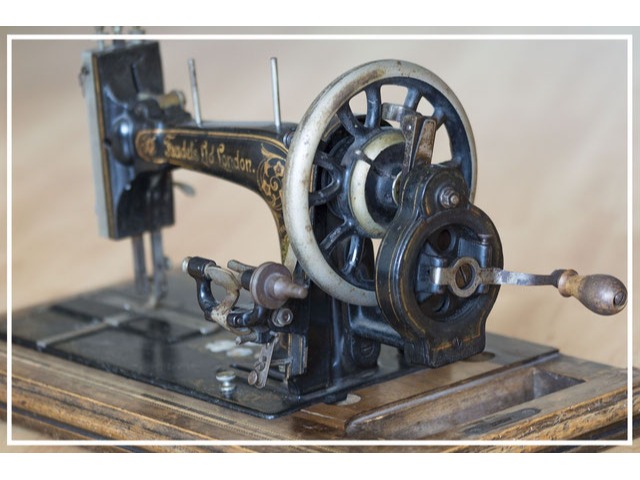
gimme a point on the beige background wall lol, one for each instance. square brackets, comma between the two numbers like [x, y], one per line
[549, 119]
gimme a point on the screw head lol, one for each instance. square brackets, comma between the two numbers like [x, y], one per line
[620, 299]
[225, 376]
[449, 198]
[283, 318]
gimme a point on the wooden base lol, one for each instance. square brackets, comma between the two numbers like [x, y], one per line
[514, 391]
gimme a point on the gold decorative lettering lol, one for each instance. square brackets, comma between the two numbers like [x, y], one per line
[180, 151]
[146, 146]
[182, 148]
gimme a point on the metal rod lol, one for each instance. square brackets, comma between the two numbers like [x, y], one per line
[275, 89]
[238, 267]
[136, 31]
[159, 268]
[602, 294]
[116, 42]
[195, 95]
[139, 265]
[375, 330]
[101, 44]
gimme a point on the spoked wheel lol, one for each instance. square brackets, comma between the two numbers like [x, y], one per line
[349, 164]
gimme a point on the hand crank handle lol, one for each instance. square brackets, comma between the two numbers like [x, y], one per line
[602, 294]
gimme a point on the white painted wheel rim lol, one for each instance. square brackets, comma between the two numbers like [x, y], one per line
[299, 165]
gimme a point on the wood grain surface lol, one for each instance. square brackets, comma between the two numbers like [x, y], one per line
[534, 394]
[550, 124]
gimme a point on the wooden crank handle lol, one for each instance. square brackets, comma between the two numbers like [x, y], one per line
[602, 294]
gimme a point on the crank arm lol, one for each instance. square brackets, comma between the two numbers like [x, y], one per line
[602, 294]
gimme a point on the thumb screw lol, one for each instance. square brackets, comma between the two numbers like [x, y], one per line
[226, 378]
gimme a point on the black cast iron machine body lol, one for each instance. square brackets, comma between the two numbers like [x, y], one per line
[335, 183]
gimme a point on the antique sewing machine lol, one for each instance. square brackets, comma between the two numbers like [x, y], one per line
[387, 266]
